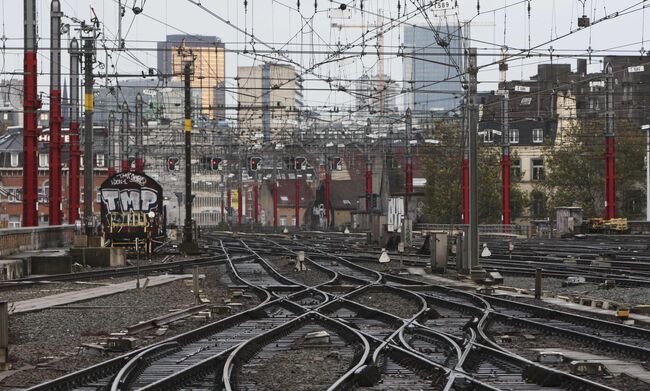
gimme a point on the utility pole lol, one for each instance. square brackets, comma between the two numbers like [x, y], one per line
[297, 196]
[610, 148]
[275, 194]
[124, 138]
[240, 188]
[505, 159]
[139, 141]
[188, 240]
[89, 80]
[646, 128]
[54, 206]
[111, 143]
[408, 187]
[31, 104]
[473, 233]
[465, 165]
[328, 182]
[75, 154]
[256, 201]
[368, 170]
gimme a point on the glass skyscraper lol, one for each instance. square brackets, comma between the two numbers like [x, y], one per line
[431, 78]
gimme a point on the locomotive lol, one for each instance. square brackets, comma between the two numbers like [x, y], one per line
[132, 209]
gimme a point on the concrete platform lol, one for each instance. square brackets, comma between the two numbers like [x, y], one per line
[87, 294]
[45, 261]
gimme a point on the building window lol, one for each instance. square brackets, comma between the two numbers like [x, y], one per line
[538, 169]
[284, 198]
[44, 193]
[14, 159]
[100, 160]
[488, 136]
[538, 204]
[98, 197]
[44, 160]
[293, 221]
[516, 169]
[14, 196]
[14, 222]
[283, 221]
[514, 136]
[538, 135]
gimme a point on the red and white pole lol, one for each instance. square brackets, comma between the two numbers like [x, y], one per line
[54, 206]
[31, 104]
[74, 196]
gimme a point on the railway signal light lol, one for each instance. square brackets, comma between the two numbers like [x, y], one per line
[254, 163]
[172, 163]
[335, 164]
[205, 163]
[216, 164]
[300, 164]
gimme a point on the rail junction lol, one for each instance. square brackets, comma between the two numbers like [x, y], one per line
[330, 316]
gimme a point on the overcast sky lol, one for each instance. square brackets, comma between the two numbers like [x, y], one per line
[278, 23]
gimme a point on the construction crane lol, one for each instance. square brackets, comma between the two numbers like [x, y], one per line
[380, 54]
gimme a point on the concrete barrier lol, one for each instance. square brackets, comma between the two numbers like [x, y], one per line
[14, 240]
[99, 256]
[58, 264]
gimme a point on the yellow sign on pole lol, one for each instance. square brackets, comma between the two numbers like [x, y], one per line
[234, 199]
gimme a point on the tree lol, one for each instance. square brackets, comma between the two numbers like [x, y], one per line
[575, 169]
[443, 167]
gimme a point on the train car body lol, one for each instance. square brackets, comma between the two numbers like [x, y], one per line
[132, 208]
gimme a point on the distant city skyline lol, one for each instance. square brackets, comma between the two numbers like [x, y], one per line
[278, 25]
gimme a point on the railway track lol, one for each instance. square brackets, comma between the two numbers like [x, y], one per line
[365, 328]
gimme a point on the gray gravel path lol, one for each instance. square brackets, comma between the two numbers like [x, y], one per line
[623, 295]
[50, 339]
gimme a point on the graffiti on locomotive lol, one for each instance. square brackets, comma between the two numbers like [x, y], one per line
[130, 199]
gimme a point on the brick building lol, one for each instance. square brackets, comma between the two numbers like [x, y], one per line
[11, 175]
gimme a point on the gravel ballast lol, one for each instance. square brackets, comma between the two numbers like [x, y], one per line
[50, 340]
[623, 295]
